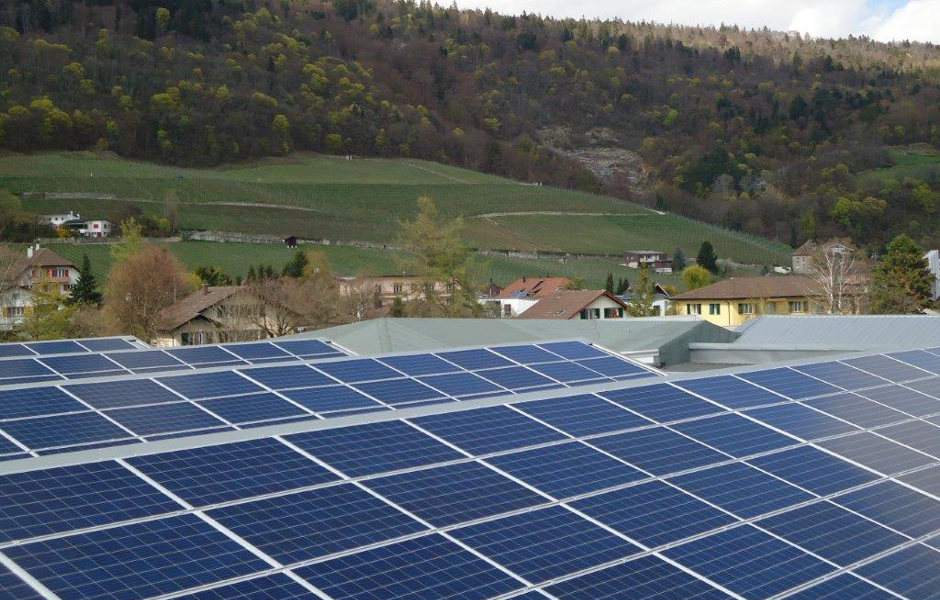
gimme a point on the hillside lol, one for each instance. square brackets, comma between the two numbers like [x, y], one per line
[331, 198]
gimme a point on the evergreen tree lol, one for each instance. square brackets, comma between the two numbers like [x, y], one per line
[641, 302]
[295, 266]
[251, 277]
[678, 260]
[902, 283]
[397, 309]
[609, 284]
[623, 286]
[707, 257]
[85, 291]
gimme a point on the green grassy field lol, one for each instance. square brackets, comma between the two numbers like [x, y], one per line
[919, 161]
[331, 198]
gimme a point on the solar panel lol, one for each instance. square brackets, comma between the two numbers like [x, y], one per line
[832, 533]
[905, 400]
[63, 430]
[573, 350]
[567, 372]
[895, 506]
[613, 367]
[888, 368]
[566, 470]
[927, 480]
[857, 410]
[741, 490]
[374, 448]
[526, 354]
[790, 383]
[397, 391]
[431, 566]
[253, 407]
[107, 344]
[136, 561]
[308, 348]
[455, 493]
[272, 587]
[644, 578]
[662, 402]
[330, 398]
[92, 446]
[749, 562]
[916, 434]
[877, 453]
[145, 359]
[259, 350]
[204, 355]
[29, 402]
[55, 347]
[515, 378]
[545, 544]
[487, 430]
[583, 415]
[14, 588]
[117, 394]
[213, 474]
[730, 391]
[801, 421]
[461, 384]
[654, 513]
[19, 368]
[358, 370]
[913, 572]
[44, 502]
[813, 470]
[420, 364]
[841, 587]
[293, 376]
[208, 385]
[919, 358]
[316, 523]
[79, 363]
[164, 418]
[658, 451]
[475, 359]
[841, 375]
[735, 435]
[11, 350]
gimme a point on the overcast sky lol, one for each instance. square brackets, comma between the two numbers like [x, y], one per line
[881, 19]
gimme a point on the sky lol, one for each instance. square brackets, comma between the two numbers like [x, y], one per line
[884, 20]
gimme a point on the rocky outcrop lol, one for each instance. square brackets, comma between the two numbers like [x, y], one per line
[599, 151]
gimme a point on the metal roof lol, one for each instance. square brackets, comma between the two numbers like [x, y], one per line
[841, 332]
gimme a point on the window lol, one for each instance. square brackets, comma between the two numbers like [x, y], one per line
[714, 308]
[195, 338]
[799, 306]
[397, 289]
[693, 309]
[770, 308]
[746, 308]
[13, 311]
[591, 313]
[507, 310]
[613, 313]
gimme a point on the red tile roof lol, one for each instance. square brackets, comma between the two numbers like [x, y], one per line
[789, 286]
[566, 304]
[534, 286]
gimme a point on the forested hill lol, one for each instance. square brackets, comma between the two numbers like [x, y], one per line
[754, 130]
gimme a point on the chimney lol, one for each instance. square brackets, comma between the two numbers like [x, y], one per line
[205, 290]
[29, 252]
[523, 279]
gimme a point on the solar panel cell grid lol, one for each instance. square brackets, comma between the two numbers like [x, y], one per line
[526, 355]
[573, 350]
[888, 368]
[841, 587]
[272, 587]
[262, 350]
[398, 391]
[10, 350]
[145, 359]
[462, 384]
[164, 418]
[659, 451]
[107, 344]
[209, 385]
[842, 375]
[583, 415]
[918, 358]
[877, 453]
[916, 434]
[662, 402]
[735, 435]
[116, 394]
[475, 359]
[801, 421]
[516, 378]
[30, 402]
[895, 506]
[567, 372]
[612, 367]
[87, 363]
[55, 347]
[253, 407]
[420, 364]
[857, 410]
[357, 370]
[331, 398]
[63, 430]
[14, 588]
[913, 572]
[741, 490]
[730, 392]
[906, 400]
[204, 355]
[790, 383]
[307, 347]
[487, 430]
[18, 368]
[814, 470]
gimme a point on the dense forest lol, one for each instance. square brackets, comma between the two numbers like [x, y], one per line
[754, 130]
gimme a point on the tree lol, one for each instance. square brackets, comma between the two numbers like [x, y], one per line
[296, 265]
[49, 317]
[442, 262]
[141, 286]
[171, 209]
[902, 283]
[132, 240]
[833, 275]
[85, 291]
[707, 257]
[212, 275]
[575, 283]
[695, 276]
[641, 301]
[609, 284]
[623, 285]
[678, 260]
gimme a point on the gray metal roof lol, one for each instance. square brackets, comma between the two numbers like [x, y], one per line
[841, 332]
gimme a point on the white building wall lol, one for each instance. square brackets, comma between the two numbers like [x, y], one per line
[933, 263]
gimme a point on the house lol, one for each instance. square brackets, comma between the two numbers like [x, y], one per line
[39, 264]
[577, 304]
[655, 260]
[733, 301]
[96, 228]
[385, 288]
[216, 314]
[60, 219]
[933, 263]
[522, 294]
[290, 241]
[804, 258]
[661, 299]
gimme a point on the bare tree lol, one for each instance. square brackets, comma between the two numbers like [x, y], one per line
[834, 277]
[237, 319]
[288, 304]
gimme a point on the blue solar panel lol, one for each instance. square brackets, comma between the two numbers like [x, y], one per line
[832, 533]
[12, 350]
[916, 434]
[374, 448]
[741, 490]
[272, 587]
[55, 347]
[545, 544]
[44, 502]
[137, 561]
[30, 402]
[107, 344]
[330, 398]
[164, 418]
[36, 379]
[420, 364]
[662, 402]
[612, 367]
[115, 394]
[841, 375]
[566, 470]
[63, 430]
[429, 567]
[213, 474]
[308, 348]
[25, 367]
[888, 368]
[316, 523]
[927, 480]
[455, 493]
[877, 453]
[906, 400]
[259, 350]
[645, 578]
[357, 370]
[583, 415]
[254, 407]
[208, 385]
[658, 451]
[895, 506]
[397, 391]
[800, 421]
[487, 430]
[574, 350]
[14, 588]
[843, 587]
[653, 513]
[515, 378]
[109, 444]
[857, 410]
[790, 383]
[461, 384]
[913, 572]
[475, 359]
[79, 363]
[730, 391]
[749, 562]
[145, 359]
[204, 355]
[919, 358]
[567, 372]
[814, 470]
[735, 435]
[526, 354]
[282, 378]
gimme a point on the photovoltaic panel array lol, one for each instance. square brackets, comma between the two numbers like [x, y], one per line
[738, 486]
[55, 418]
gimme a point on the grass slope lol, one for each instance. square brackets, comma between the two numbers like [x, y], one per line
[333, 198]
[919, 161]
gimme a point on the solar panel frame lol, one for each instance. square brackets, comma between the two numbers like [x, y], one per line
[659, 451]
[488, 430]
[790, 383]
[583, 415]
[662, 402]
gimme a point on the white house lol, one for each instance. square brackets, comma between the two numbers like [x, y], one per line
[97, 228]
[59, 220]
[40, 264]
[577, 304]
[522, 294]
[661, 300]
[933, 263]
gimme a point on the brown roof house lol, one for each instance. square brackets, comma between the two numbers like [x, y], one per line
[577, 304]
[522, 294]
[16, 283]
[218, 314]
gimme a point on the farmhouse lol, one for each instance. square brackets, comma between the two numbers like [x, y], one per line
[733, 301]
[40, 264]
[655, 260]
[522, 294]
[577, 304]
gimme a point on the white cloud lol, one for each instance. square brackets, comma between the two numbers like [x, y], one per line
[912, 19]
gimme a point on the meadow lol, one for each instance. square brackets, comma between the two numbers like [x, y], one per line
[918, 161]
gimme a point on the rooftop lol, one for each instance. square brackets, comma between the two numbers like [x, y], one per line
[566, 304]
[787, 286]
[190, 307]
[533, 286]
